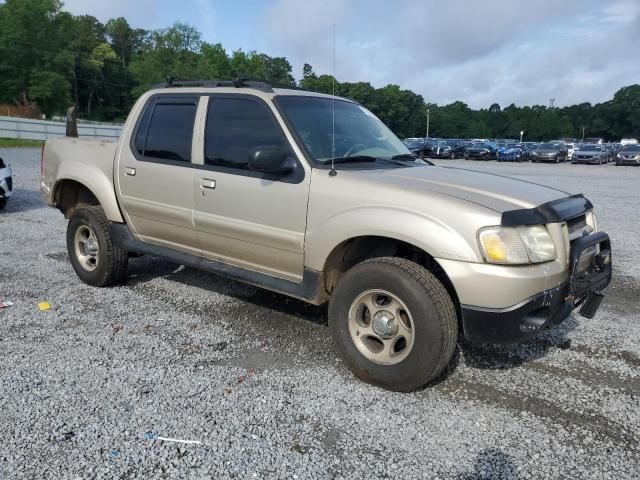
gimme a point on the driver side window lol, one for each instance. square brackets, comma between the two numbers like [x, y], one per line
[235, 126]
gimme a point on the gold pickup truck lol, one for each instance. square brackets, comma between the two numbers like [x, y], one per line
[314, 197]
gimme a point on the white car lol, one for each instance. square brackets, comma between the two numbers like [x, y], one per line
[6, 183]
[571, 147]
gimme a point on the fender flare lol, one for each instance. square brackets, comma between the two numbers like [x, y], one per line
[426, 233]
[94, 180]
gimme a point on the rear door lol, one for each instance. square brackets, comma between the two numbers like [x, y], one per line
[246, 218]
[155, 174]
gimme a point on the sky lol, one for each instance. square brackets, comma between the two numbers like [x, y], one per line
[478, 51]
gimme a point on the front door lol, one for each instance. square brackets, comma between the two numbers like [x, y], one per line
[155, 174]
[242, 217]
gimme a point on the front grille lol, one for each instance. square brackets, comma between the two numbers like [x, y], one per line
[577, 227]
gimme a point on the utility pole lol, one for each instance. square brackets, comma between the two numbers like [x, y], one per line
[521, 133]
[428, 122]
[552, 101]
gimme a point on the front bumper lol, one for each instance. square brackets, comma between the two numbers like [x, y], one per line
[543, 158]
[628, 161]
[590, 273]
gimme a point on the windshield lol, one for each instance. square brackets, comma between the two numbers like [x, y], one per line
[597, 148]
[631, 148]
[358, 132]
[549, 146]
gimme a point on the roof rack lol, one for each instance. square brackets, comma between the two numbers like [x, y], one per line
[238, 82]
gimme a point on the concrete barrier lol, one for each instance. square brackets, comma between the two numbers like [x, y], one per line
[29, 129]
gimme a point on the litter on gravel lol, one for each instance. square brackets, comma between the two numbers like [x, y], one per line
[155, 436]
[6, 304]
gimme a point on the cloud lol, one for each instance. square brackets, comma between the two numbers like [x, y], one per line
[479, 52]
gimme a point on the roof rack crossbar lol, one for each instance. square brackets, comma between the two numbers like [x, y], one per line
[238, 82]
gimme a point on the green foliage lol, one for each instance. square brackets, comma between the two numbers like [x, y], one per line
[19, 143]
[56, 59]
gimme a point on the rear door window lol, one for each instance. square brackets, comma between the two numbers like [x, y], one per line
[166, 130]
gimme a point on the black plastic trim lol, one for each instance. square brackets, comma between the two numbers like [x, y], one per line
[307, 290]
[550, 212]
[501, 326]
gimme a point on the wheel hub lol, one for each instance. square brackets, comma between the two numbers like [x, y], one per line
[385, 324]
[91, 247]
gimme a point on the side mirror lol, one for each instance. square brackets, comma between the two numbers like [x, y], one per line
[270, 159]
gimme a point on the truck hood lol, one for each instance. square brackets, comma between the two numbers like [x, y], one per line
[496, 192]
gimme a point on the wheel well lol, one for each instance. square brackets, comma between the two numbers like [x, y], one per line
[355, 250]
[71, 195]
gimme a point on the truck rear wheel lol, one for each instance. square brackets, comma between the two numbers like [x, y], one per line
[94, 257]
[393, 322]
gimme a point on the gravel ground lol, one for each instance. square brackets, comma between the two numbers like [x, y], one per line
[253, 375]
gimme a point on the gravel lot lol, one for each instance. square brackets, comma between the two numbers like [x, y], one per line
[254, 377]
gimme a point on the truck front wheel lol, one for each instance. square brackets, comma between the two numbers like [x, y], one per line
[393, 322]
[96, 260]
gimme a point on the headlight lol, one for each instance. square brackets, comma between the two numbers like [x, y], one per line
[516, 246]
[590, 218]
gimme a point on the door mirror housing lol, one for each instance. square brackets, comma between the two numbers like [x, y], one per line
[271, 159]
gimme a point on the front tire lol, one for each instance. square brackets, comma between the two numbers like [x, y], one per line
[3, 203]
[393, 322]
[94, 257]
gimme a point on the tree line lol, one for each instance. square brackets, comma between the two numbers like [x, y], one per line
[55, 59]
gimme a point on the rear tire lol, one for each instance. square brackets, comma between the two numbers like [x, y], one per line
[3, 203]
[424, 316]
[94, 257]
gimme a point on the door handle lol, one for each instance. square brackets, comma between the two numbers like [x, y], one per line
[207, 183]
[130, 171]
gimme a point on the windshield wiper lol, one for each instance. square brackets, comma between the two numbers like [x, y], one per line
[404, 156]
[364, 159]
[352, 159]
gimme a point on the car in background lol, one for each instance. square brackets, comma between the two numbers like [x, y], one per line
[571, 148]
[628, 141]
[448, 149]
[527, 148]
[421, 147]
[6, 183]
[629, 155]
[549, 152]
[611, 152]
[481, 151]
[509, 153]
[592, 153]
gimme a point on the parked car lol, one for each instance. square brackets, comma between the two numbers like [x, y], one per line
[448, 149]
[629, 141]
[402, 251]
[481, 151]
[571, 147]
[509, 153]
[527, 148]
[6, 183]
[420, 147]
[591, 153]
[415, 145]
[629, 155]
[549, 152]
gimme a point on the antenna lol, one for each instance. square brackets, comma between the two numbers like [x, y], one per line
[333, 172]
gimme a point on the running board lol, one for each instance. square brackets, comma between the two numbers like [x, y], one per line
[307, 290]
